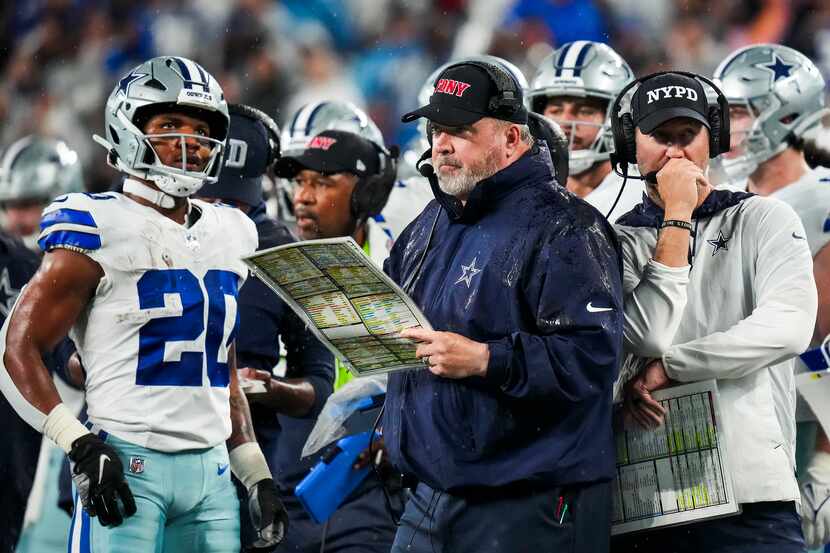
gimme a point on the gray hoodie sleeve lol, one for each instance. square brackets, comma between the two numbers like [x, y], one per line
[655, 295]
[784, 294]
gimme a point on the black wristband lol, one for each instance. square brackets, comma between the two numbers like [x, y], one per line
[677, 223]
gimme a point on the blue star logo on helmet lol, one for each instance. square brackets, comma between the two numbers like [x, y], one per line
[780, 70]
[130, 78]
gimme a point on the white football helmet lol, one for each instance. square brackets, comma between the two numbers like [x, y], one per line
[40, 169]
[165, 84]
[782, 90]
[583, 69]
[316, 117]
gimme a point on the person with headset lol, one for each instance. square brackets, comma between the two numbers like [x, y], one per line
[507, 427]
[284, 411]
[342, 179]
[749, 310]
[776, 96]
[575, 86]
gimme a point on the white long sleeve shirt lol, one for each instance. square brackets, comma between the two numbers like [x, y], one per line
[751, 308]
[604, 195]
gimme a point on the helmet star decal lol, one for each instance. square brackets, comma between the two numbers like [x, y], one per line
[130, 78]
[780, 70]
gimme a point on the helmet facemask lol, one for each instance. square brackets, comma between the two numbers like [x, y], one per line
[582, 157]
[180, 180]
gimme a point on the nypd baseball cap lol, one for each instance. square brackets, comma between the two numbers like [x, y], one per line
[332, 152]
[666, 97]
[463, 95]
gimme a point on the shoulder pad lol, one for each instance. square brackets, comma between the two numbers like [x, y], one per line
[69, 222]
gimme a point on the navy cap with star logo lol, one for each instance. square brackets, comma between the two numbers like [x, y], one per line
[462, 95]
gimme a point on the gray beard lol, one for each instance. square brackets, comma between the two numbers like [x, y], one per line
[465, 179]
[460, 184]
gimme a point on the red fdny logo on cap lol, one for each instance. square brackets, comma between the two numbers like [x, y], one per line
[321, 142]
[450, 86]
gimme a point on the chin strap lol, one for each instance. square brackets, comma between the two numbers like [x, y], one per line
[157, 197]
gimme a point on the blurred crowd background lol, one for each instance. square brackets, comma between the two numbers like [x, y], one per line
[60, 58]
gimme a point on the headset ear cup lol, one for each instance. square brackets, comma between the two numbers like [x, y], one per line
[629, 141]
[724, 129]
[371, 193]
[714, 132]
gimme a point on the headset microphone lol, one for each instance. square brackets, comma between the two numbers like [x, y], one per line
[426, 169]
[450, 203]
[650, 177]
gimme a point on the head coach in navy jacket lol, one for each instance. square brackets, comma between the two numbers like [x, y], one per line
[508, 426]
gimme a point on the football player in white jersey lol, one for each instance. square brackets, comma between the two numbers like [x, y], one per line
[145, 283]
[776, 95]
[34, 171]
[575, 87]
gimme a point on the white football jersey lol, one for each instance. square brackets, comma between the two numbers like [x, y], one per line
[809, 196]
[605, 194]
[154, 339]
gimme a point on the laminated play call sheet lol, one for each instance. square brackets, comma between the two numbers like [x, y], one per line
[677, 473]
[348, 302]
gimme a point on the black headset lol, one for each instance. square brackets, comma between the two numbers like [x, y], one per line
[508, 99]
[622, 125]
[551, 133]
[269, 124]
[371, 192]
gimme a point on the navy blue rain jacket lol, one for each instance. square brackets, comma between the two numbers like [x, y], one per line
[535, 273]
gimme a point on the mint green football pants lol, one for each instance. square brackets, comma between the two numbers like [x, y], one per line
[185, 503]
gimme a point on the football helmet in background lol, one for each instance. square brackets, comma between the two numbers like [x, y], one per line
[782, 90]
[39, 169]
[583, 69]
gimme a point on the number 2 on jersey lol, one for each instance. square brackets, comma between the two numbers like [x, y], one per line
[163, 359]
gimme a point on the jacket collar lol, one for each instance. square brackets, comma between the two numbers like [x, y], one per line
[258, 214]
[533, 167]
[649, 214]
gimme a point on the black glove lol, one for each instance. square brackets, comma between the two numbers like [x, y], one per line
[99, 477]
[268, 515]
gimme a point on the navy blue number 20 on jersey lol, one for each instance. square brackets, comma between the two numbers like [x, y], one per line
[176, 334]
